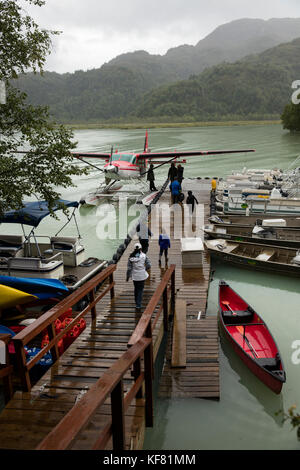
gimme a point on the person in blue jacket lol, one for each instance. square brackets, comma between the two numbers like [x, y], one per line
[175, 188]
[164, 244]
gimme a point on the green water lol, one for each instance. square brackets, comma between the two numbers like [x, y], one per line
[244, 418]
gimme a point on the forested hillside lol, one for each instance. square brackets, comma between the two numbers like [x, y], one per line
[129, 86]
[257, 87]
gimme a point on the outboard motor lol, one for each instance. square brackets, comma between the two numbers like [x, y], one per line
[296, 259]
[260, 232]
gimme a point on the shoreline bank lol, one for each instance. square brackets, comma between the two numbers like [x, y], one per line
[169, 124]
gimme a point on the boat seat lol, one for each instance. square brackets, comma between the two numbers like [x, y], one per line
[269, 363]
[265, 255]
[10, 245]
[63, 243]
[244, 315]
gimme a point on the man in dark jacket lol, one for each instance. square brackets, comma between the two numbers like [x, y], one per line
[180, 173]
[151, 178]
[172, 172]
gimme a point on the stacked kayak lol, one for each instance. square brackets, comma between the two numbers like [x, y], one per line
[250, 338]
[10, 297]
[40, 288]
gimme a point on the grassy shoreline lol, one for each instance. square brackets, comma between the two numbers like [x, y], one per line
[152, 125]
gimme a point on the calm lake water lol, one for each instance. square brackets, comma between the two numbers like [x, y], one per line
[244, 418]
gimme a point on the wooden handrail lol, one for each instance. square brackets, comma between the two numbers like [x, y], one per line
[46, 322]
[111, 383]
[145, 319]
[64, 434]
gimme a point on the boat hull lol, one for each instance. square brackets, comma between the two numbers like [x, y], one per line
[265, 350]
[253, 264]
[267, 379]
[264, 241]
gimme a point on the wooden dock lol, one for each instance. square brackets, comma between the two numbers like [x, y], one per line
[199, 378]
[29, 417]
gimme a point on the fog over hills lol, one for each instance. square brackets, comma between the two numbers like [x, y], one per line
[114, 90]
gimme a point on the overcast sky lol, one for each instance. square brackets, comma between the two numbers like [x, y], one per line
[96, 31]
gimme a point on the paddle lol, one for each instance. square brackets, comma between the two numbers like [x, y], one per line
[239, 328]
[225, 302]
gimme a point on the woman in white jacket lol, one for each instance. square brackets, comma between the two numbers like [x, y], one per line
[138, 263]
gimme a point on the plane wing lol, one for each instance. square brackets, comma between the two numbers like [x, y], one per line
[192, 153]
[91, 155]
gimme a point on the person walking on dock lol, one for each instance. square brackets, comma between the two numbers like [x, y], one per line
[172, 172]
[175, 188]
[138, 264]
[164, 244]
[180, 170]
[144, 234]
[190, 200]
[151, 178]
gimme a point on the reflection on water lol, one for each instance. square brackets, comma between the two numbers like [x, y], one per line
[245, 417]
[270, 402]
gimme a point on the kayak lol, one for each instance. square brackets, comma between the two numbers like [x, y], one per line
[10, 297]
[250, 338]
[41, 288]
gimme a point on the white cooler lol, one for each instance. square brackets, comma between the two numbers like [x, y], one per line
[192, 252]
[274, 223]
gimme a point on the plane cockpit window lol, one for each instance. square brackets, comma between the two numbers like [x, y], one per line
[128, 158]
[123, 157]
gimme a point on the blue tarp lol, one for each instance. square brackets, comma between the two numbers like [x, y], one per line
[33, 212]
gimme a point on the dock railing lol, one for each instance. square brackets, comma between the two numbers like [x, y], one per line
[110, 385]
[46, 322]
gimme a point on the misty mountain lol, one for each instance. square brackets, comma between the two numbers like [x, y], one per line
[113, 91]
[255, 87]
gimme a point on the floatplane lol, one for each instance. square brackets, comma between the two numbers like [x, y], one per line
[122, 167]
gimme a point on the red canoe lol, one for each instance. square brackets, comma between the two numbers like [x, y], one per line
[250, 338]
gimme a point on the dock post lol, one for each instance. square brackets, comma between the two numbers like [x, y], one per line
[148, 364]
[173, 293]
[112, 290]
[92, 299]
[117, 412]
[165, 309]
[21, 364]
[136, 373]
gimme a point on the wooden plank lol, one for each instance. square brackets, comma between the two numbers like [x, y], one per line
[179, 335]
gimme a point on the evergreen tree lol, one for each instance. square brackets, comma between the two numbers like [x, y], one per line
[291, 117]
[48, 163]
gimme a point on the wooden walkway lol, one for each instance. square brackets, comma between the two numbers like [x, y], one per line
[29, 417]
[200, 377]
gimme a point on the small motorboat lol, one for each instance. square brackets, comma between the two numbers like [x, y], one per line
[269, 235]
[256, 256]
[250, 338]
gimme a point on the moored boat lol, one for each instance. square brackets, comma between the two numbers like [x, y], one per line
[271, 235]
[288, 222]
[42, 256]
[250, 338]
[260, 257]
